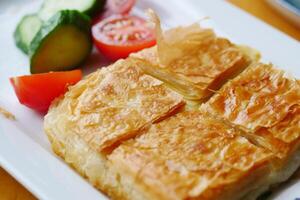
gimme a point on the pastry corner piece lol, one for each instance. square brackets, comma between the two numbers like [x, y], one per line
[97, 114]
[192, 60]
[192, 156]
[265, 103]
[111, 105]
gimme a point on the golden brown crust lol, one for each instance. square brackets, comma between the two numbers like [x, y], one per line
[192, 60]
[264, 102]
[114, 103]
[91, 165]
[191, 156]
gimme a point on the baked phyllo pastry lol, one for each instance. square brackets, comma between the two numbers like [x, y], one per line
[127, 131]
[193, 60]
[186, 156]
[265, 103]
[111, 105]
[191, 156]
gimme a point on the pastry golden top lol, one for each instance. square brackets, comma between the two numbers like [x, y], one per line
[112, 104]
[200, 67]
[262, 100]
[288, 129]
[284, 137]
[192, 58]
[189, 155]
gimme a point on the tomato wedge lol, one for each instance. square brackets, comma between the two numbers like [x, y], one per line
[115, 7]
[119, 35]
[120, 6]
[39, 90]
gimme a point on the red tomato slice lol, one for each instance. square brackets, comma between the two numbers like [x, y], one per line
[37, 91]
[115, 7]
[119, 35]
[120, 6]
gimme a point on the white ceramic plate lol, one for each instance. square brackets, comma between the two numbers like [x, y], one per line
[24, 148]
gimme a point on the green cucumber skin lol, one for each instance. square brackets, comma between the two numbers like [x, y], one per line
[64, 17]
[19, 41]
[96, 8]
[18, 35]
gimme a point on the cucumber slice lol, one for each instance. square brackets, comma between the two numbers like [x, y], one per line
[62, 43]
[26, 30]
[89, 7]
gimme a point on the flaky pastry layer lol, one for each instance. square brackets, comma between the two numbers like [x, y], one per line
[112, 105]
[192, 156]
[193, 60]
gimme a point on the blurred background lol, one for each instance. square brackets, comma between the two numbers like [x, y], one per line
[281, 14]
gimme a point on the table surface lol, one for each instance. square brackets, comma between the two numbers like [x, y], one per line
[10, 189]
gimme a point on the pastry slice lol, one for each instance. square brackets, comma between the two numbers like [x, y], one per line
[265, 103]
[193, 60]
[111, 105]
[191, 156]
